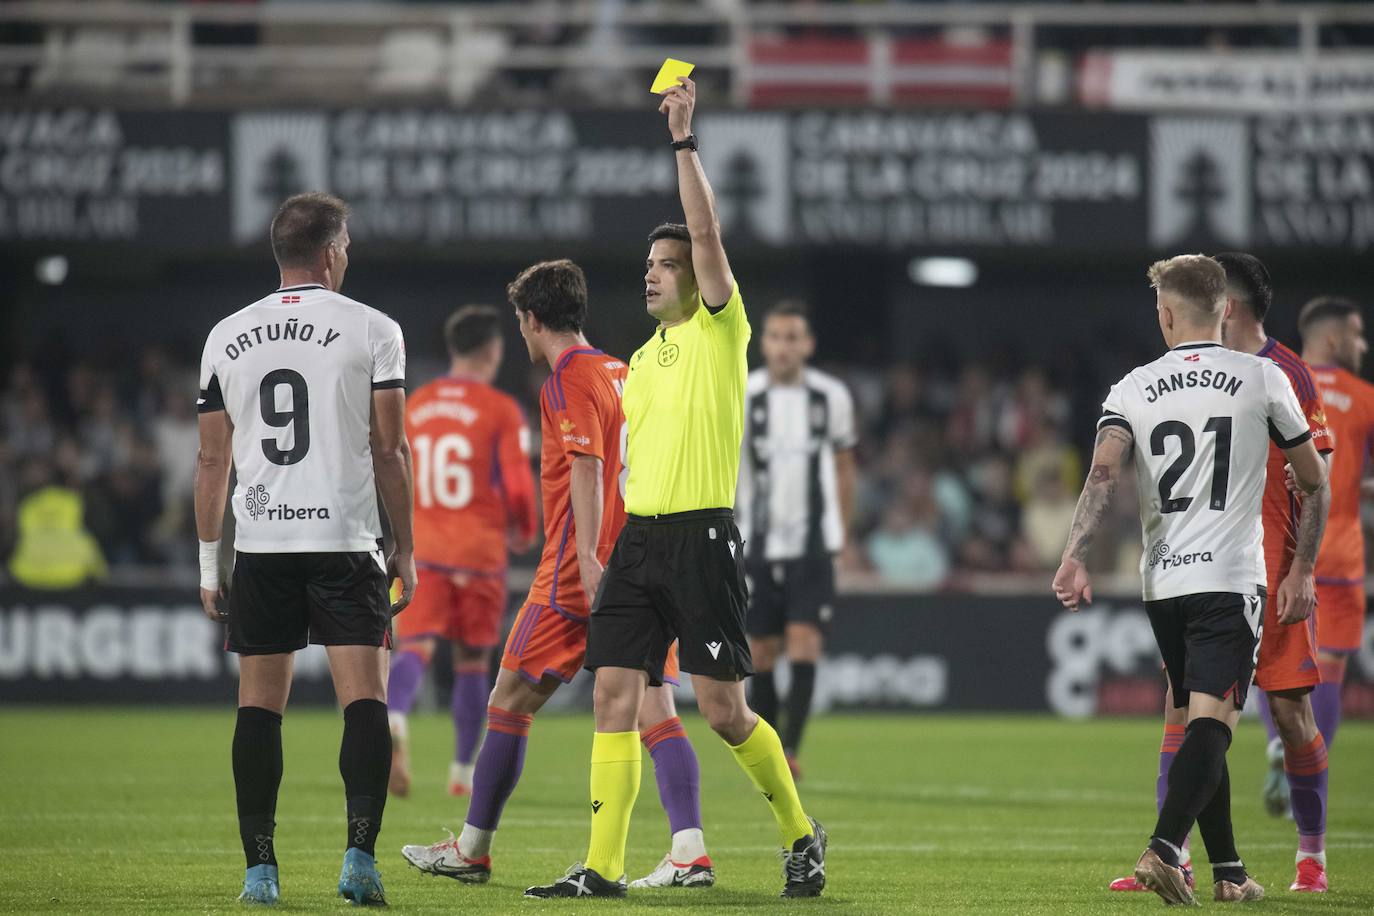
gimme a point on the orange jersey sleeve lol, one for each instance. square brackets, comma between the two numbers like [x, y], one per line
[462, 481]
[1281, 508]
[1349, 402]
[580, 414]
[514, 476]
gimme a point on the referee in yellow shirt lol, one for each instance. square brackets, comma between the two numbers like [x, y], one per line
[677, 571]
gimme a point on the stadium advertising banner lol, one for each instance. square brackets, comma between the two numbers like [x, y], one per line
[899, 652]
[914, 179]
[437, 179]
[96, 176]
[443, 182]
[1239, 80]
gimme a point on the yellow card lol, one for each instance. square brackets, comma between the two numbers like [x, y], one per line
[669, 72]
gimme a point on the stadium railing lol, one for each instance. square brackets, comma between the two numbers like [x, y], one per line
[207, 54]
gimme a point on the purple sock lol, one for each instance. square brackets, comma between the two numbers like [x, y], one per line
[1326, 707]
[407, 668]
[1173, 740]
[1265, 715]
[498, 766]
[469, 709]
[1168, 749]
[1306, 770]
[677, 773]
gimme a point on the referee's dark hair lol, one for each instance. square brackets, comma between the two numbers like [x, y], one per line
[1247, 280]
[675, 231]
[1323, 308]
[555, 292]
[304, 225]
[471, 328]
[790, 308]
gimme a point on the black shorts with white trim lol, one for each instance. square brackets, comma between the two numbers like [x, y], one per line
[790, 591]
[1210, 642]
[281, 602]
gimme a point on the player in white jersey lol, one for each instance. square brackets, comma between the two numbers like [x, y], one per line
[1198, 421]
[793, 503]
[303, 392]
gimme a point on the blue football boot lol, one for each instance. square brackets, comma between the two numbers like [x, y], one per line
[359, 882]
[260, 885]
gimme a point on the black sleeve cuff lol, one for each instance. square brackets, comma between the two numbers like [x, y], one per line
[389, 383]
[715, 309]
[1114, 419]
[1283, 443]
[211, 397]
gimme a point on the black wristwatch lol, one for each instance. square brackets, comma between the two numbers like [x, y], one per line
[688, 142]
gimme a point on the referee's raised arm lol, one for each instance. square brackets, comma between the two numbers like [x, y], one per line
[709, 262]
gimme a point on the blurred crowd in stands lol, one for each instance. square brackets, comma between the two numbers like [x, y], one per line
[411, 58]
[123, 439]
[964, 475]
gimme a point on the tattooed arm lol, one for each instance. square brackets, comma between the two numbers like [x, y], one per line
[1297, 596]
[1072, 584]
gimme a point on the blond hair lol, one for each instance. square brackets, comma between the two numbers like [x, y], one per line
[1194, 279]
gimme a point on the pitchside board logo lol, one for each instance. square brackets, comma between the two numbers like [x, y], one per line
[668, 354]
[747, 157]
[1199, 183]
[275, 156]
[255, 499]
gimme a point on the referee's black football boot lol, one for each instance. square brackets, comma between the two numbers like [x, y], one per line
[803, 866]
[580, 881]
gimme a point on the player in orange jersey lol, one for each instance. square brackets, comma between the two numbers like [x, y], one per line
[1333, 342]
[581, 479]
[1287, 667]
[1287, 670]
[474, 495]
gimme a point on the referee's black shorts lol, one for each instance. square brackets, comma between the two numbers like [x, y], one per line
[678, 576]
[1210, 643]
[281, 602]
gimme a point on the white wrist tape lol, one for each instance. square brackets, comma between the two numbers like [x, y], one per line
[209, 565]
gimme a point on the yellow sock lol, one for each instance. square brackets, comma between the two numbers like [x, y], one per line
[762, 758]
[615, 783]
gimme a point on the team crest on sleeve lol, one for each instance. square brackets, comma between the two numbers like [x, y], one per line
[567, 426]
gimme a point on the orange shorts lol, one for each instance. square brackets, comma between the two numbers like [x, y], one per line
[1340, 616]
[1288, 653]
[546, 641]
[454, 606]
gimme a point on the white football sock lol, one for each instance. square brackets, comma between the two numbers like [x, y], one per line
[688, 846]
[474, 842]
[1319, 856]
[461, 773]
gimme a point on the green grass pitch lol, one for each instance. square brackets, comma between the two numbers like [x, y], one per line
[123, 810]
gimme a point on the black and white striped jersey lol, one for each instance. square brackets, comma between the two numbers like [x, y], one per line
[1202, 417]
[787, 501]
[295, 371]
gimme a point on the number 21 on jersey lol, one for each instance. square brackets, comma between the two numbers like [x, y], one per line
[1221, 462]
